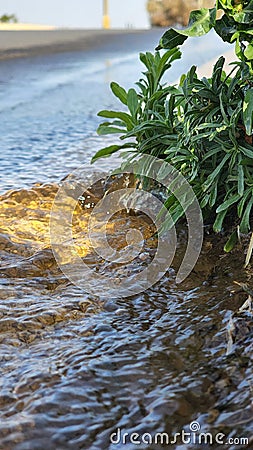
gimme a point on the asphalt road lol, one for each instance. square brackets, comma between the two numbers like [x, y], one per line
[30, 43]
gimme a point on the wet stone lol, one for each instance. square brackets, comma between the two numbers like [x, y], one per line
[103, 329]
[110, 306]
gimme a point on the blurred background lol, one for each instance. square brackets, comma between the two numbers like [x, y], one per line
[88, 14]
[163, 13]
[53, 82]
[78, 13]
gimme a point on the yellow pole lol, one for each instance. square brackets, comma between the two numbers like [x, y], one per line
[106, 17]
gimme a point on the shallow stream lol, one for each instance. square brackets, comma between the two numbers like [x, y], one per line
[78, 371]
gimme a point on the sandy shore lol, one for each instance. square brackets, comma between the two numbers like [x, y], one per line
[24, 26]
[15, 44]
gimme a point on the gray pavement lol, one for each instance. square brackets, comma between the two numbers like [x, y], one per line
[29, 43]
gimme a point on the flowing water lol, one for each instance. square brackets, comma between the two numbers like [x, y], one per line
[78, 371]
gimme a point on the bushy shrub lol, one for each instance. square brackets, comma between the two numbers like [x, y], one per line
[203, 127]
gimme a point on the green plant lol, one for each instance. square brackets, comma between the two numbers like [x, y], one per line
[144, 107]
[203, 127]
[8, 18]
[234, 25]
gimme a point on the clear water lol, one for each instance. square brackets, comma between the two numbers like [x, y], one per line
[49, 104]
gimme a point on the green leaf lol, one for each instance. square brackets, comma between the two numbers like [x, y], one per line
[226, 5]
[245, 225]
[217, 226]
[231, 242]
[143, 86]
[106, 128]
[225, 28]
[213, 175]
[249, 52]
[248, 111]
[225, 205]
[240, 177]
[119, 92]
[204, 201]
[175, 213]
[171, 39]
[217, 72]
[246, 151]
[149, 125]
[238, 50]
[147, 59]
[200, 22]
[108, 151]
[242, 202]
[133, 103]
[245, 15]
[223, 112]
[118, 115]
[213, 195]
[170, 55]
